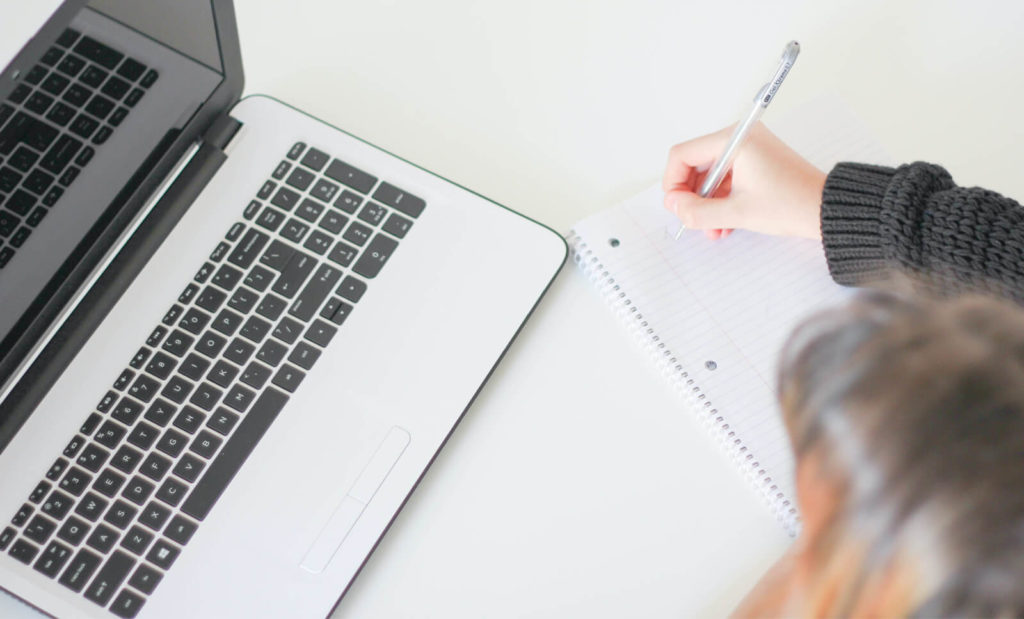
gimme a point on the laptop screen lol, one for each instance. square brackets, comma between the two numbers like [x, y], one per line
[86, 123]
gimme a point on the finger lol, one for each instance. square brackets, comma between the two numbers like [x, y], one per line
[702, 213]
[685, 158]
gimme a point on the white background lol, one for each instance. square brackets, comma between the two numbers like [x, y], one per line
[577, 485]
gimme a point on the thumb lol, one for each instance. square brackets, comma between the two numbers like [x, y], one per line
[700, 213]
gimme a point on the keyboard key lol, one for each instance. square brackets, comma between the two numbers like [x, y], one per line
[277, 255]
[288, 330]
[398, 199]
[180, 530]
[351, 176]
[285, 198]
[73, 447]
[281, 170]
[252, 209]
[143, 436]
[121, 514]
[211, 299]
[172, 491]
[339, 313]
[24, 513]
[91, 507]
[118, 116]
[137, 540]
[178, 388]
[333, 221]
[239, 351]
[142, 355]
[73, 531]
[309, 210]
[84, 126]
[145, 579]
[255, 329]
[299, 266]
[21, 202]
[271, 306]
[318, 242]
[109, 434]
[23, 551]
[320, 333]
[227, 277]
[189, 467]
[324, 190]
[256, 375]
[155, 514]
[397, 226]
[68, 37]
[137, 491]
[6, 537]
[259, 278]
[296, 150]
[223, 373]
[270, 219]
[304, 356]
[315, 159]
[39, 529]
[206, 444]
[100, 107]
[38, 103]
[149, 78]
[127, 411]
[233, 455]
[161, 366]
[77, 480]
[271, 352]
[178, 343]
[251, 245]
[93, 457]
[163, 554]
[98, 52]
[102, 135]
[55, 84]
[53, 559]
[195, 367]
[144, 388]
[109, 578]
[372, 213]
[155, 466]
[352, 289]
[222, 421]
[40, 491]
[109, 483]
[127, 604]
[131, 69]
[376, 255]
[61, 114]
[294, 230]
[312, 297]
[349, 202]
[172, 443]
[161, 412]
[80, 570]
[126, 459]
[206, 395]
[288, 378]
[103, 538]
[93, 76]
[115, 88]
[357, 233]
[9, 179]
[299, 179]
[77, 95]
[56, 469]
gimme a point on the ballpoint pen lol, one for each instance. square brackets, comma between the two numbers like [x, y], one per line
[764, 97]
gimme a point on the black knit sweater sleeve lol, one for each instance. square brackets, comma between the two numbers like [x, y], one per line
[914, 219]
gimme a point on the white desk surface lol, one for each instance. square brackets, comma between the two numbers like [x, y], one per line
[577, 485]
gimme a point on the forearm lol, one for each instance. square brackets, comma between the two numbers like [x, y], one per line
[915, 220]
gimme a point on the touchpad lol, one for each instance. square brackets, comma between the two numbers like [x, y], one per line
[351, 506]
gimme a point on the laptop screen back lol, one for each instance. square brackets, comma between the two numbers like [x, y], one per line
[82, 131]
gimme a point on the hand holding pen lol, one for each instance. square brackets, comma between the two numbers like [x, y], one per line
[764, 186]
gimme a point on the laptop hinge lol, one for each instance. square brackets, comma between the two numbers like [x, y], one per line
[221, 131]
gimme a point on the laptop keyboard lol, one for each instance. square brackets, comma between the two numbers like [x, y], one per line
[116, 509]
[52, 122]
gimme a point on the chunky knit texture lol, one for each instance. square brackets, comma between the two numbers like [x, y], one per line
[913, 219]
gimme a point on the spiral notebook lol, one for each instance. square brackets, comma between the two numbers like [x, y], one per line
[715, 314]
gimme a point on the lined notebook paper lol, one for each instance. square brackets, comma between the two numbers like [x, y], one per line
[715, 314]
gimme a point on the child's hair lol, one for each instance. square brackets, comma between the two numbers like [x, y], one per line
[916, 408]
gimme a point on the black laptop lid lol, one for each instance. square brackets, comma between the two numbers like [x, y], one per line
[95, 111]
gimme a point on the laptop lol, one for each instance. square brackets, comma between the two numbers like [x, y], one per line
[232, 337]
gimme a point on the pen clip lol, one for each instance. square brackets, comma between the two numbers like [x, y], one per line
[767, 92]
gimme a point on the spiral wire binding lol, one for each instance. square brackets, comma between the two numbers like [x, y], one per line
[670, 368]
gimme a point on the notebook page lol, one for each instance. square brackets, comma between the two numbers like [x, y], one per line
[721, 310]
